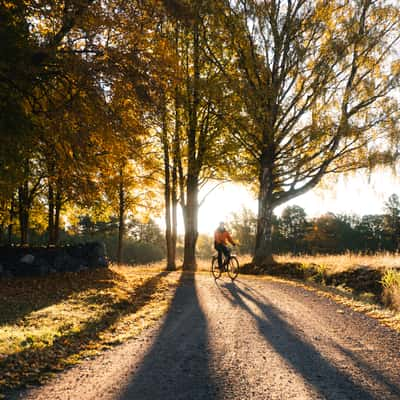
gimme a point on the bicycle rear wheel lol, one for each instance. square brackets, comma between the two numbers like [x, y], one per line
[233, 267]
[214, 268]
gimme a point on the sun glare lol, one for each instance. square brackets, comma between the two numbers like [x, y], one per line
[358, 194]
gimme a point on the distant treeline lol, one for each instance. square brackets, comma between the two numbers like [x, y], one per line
[294, 232]
[144, 242]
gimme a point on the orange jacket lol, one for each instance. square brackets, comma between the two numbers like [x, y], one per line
[222, 237]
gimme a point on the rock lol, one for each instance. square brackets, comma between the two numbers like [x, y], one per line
[43, 266]
[99, 249]
[34, 261]
[64, 262]
[8, 274]
[24, 269]
[27, 259]
[102, 262]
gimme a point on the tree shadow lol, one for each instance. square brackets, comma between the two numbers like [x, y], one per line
[392, 387]
[178, 364]
[29, 365]
[22, 296]
[302, 356]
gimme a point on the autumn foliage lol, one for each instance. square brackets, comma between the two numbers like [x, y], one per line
[127, 109]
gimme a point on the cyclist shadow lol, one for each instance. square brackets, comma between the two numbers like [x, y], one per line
[302, 356]
[178, 364]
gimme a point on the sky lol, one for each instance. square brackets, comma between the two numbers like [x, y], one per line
[357, 194]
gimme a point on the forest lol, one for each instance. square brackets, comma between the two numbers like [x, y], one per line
[296, 233]
[116, 113]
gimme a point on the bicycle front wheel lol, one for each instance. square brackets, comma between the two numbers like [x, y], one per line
[214, 268]
[233, 267]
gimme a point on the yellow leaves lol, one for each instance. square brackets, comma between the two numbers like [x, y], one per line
[8, 4]
[395, 68]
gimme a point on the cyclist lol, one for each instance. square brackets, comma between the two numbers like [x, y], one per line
[221, 239]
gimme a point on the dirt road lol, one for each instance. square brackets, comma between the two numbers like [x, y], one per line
[252, 339]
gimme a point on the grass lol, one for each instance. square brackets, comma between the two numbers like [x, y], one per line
[376, 275]
[344, 262]
[366, 283]
[391, 289]
[50, 323]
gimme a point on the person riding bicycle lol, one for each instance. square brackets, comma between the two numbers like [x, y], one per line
[221, 239]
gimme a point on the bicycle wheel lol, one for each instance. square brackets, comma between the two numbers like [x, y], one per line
[233, 267]
[214, 268]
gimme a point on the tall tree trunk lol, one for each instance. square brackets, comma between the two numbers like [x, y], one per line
[263, 249]
[58, 206]
[121, 216]
[190, 216]
[176, 161]
[11, 223]
[192, 185]
[167, 191]
[23, 210]
[174, 222]
[50, 229]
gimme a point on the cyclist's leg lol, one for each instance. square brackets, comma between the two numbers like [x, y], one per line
[226, 251]
[219, 249]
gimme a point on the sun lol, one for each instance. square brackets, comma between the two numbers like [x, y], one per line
[221, 203]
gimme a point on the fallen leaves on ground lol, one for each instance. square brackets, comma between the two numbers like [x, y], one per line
[50, 323]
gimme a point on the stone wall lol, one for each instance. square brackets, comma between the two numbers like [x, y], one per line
[36, 261]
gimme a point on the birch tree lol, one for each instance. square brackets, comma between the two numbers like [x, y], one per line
[316, 81]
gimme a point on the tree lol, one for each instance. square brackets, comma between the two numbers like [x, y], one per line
[293, 226]
[196, 135]
[371, 233]
[392, 220]
[315, 80]
[243, 225]
[323, 237]
[45, 72]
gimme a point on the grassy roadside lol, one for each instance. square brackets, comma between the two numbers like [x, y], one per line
[373, 277]
[50, 323]
[368, 284]
[384, 315]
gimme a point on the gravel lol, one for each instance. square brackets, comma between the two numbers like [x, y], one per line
[251, 339]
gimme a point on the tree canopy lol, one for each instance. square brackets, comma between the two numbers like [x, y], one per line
[107, 105]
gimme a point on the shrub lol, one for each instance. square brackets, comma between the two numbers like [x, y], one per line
[135, 252]
[142, 253]
[391, 289]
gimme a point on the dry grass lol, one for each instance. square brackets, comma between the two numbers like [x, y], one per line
[340, 265]
[51, 322]
[391, 289]
[344, 262]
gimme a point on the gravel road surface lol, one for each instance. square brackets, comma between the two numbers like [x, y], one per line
[251, 339]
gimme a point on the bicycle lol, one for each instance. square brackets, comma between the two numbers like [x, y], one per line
[229, 264]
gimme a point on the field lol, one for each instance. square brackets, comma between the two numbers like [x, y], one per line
[344, 262]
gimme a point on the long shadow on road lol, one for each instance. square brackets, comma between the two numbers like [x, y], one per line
[28, 365]
[178, 364]
[327, 380]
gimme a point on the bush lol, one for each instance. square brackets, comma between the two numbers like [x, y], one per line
[142, 253]
[391, 289]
